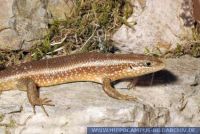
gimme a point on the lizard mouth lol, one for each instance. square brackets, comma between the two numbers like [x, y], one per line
[159, 67]
[155, 68]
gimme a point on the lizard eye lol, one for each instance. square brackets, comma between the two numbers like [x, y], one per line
[148, 64]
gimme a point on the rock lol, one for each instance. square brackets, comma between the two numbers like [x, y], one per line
[8, 37]
[159, 24]
[31, 20]
[196, 10]
[59, 9]
[170, 100]
[23, 23]
[28, 21]
[9, 40]
[85, 105]
[187, 13]
[5, 13]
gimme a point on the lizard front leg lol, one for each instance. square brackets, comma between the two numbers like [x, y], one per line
[110, 91]
[28, 85]
[132, 83]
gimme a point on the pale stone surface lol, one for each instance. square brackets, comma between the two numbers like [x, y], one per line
[9, 39]
[30, 21]
[5, 13]
[169, 101]
[59, 9]
[22, 23]
[159, 23]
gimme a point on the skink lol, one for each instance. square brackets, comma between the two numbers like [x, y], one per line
[95, 67]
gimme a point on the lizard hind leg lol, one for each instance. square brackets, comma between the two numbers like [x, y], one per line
[27, 84]
[110, 91]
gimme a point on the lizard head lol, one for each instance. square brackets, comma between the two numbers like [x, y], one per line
[138, 64]
[144, 65]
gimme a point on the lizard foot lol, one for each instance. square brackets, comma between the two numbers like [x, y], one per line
[42, 102]
[127, 97]
[114, 93]
[132, 84]
[45, 101]
[27, 84]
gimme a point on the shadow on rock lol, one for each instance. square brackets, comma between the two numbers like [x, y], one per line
[158, 78]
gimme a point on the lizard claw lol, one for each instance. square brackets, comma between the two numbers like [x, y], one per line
[46, 101]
